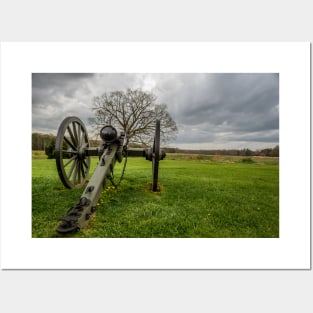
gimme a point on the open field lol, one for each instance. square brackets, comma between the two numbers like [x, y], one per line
[201, 196]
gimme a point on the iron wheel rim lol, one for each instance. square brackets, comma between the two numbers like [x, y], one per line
[72, 164]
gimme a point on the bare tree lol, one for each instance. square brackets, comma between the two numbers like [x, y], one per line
[135, 112]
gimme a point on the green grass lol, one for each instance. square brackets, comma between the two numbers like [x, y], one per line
[204, 197]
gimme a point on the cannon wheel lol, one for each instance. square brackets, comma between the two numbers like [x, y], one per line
[72, 163]
[156, 157]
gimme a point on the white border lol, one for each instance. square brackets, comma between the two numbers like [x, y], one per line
[290, 251]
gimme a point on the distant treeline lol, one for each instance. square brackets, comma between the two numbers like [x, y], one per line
[47, 142]
[271, 152]
[41, 141]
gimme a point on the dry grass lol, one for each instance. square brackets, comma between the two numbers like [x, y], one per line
[220, 158]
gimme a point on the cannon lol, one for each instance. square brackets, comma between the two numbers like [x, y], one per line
[73, 153]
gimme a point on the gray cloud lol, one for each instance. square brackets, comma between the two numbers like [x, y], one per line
[234, 110]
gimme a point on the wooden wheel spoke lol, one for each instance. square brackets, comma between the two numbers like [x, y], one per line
[84, 163]
[82, 169]
[69, 152]
[78, 170]
[70, 172]
[72, 136]
[75, 171]
[69, 143]
[69, 161]
[77, 138]
[79, 134]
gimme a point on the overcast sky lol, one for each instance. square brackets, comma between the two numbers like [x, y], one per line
[212, 111]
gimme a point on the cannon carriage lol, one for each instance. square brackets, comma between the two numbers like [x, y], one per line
[73, 153]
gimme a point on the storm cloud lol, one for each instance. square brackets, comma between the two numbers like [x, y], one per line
[216, 110]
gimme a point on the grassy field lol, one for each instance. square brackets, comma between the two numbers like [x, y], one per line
[201, 196]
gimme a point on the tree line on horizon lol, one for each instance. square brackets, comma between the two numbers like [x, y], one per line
[270, 152]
